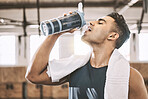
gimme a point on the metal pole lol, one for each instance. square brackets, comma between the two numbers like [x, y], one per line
[131, 3]
[24, 92]
[38, 15]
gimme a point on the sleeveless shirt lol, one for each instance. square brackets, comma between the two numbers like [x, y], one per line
[87, 82]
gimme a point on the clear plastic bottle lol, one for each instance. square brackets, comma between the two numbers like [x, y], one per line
[65, 23]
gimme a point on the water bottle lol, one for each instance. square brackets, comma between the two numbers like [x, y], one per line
[65, 23]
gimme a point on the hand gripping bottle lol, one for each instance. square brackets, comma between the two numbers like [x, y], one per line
[65, 23]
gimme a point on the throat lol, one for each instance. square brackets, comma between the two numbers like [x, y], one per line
[100, 59]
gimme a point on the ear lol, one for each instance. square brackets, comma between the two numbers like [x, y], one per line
[113, 36]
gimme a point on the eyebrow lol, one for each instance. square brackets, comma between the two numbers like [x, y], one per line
[101, 20]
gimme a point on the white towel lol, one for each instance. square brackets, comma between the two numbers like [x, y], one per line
[58, 69]
[117, 75]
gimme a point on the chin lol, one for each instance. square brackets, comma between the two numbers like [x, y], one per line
[85, 39]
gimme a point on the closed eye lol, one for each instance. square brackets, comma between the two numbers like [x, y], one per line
[100, 23]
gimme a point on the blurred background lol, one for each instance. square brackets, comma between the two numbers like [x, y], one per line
[20, 37]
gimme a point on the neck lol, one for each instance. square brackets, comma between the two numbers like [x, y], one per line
[101, 55]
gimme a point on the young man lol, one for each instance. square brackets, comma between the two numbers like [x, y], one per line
[88, 82]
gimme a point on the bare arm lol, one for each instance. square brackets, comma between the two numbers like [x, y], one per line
[137, 89]
[36, 71]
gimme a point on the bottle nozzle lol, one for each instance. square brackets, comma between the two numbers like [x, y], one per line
[80, 6]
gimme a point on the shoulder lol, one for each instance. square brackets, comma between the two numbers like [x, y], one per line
[136, 85]
[135, 75]
[136, 79]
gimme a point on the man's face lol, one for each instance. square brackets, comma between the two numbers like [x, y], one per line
[99, 30]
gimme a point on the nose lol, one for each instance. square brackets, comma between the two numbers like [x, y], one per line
[91, 23]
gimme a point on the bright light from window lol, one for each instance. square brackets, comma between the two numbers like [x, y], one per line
[80, 48]
[7, 50]
[125, 49]
[143, 48]
[36, 41]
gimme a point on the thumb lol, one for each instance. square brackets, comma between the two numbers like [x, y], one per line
[71, 31]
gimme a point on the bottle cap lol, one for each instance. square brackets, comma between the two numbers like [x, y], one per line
[80, 6]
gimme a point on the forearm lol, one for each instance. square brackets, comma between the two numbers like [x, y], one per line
[41, 57]
[36, 71]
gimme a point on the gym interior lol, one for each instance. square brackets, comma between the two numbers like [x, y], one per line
[20, 37]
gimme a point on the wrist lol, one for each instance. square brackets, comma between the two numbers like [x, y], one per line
[55, 36]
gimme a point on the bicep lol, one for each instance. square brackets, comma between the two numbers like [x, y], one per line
[137, 89]
[43, 78]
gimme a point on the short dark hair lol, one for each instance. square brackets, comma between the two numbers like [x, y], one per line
[121, 28]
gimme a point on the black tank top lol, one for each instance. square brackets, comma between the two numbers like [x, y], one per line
[87, 82]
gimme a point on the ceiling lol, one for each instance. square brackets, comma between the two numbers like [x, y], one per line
[64, 3]
[93, 9]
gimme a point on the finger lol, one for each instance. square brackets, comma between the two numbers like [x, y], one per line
[70, 12]
[65, 14]
[71, 31]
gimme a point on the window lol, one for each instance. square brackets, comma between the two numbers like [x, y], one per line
[36, 41]
[80, 48]
[143, 48]
[125, 49]
[7, 50]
